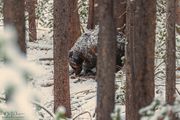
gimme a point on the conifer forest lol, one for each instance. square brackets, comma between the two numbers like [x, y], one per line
[89, 59]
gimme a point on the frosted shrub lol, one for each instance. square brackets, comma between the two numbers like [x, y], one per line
[16, 94]
[159, 110]
[83, 11]
[19, 100]
[60, 113]
[116, 115]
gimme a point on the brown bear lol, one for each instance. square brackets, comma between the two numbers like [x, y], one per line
[83, 55]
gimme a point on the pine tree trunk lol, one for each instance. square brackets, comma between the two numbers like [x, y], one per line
[96, 12]
[31, 7]
[90, 24]
[74, 23]
[178, 12]
[171, 53]
[13, 12]
[120, 14]
[140, 56]
[106, 61]
[61, 78]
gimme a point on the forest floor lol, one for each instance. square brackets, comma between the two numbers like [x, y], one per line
[82, 89]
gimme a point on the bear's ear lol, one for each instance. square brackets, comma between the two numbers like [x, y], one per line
[70, 53]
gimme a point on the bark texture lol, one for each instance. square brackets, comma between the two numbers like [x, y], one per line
[31, 9]
[119, 11]
[177, 12]
[61, 78]
[139, 56]
[74, 23]
[90, 24]
[120, 15]
[106, 61]
[171, 53]
[13, 12]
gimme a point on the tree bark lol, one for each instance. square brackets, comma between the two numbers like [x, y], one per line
[178, 12]
[171, 53]
[13, 12]
[106, 61]
[61, 33]
[96, 12]
[120, 15]
[31, 9]
[74, 23]
[90, 24]
[178, 16]
[140, 56]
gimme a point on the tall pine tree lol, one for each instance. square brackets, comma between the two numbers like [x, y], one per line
[171, 52]
[106, 61]
[31, 9]
[61, 78]
[141, 16]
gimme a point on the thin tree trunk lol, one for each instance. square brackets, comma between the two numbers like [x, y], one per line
[106, 61]
[178, 12]
[120, 14]
[13, 12]
[171, 53]
[96, 12]
[74, 23]
[61, 78]
[90, 24]
[178, 16]
[31, 7]
[140, 56]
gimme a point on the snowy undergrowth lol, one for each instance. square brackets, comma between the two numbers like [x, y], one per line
[17, 93]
